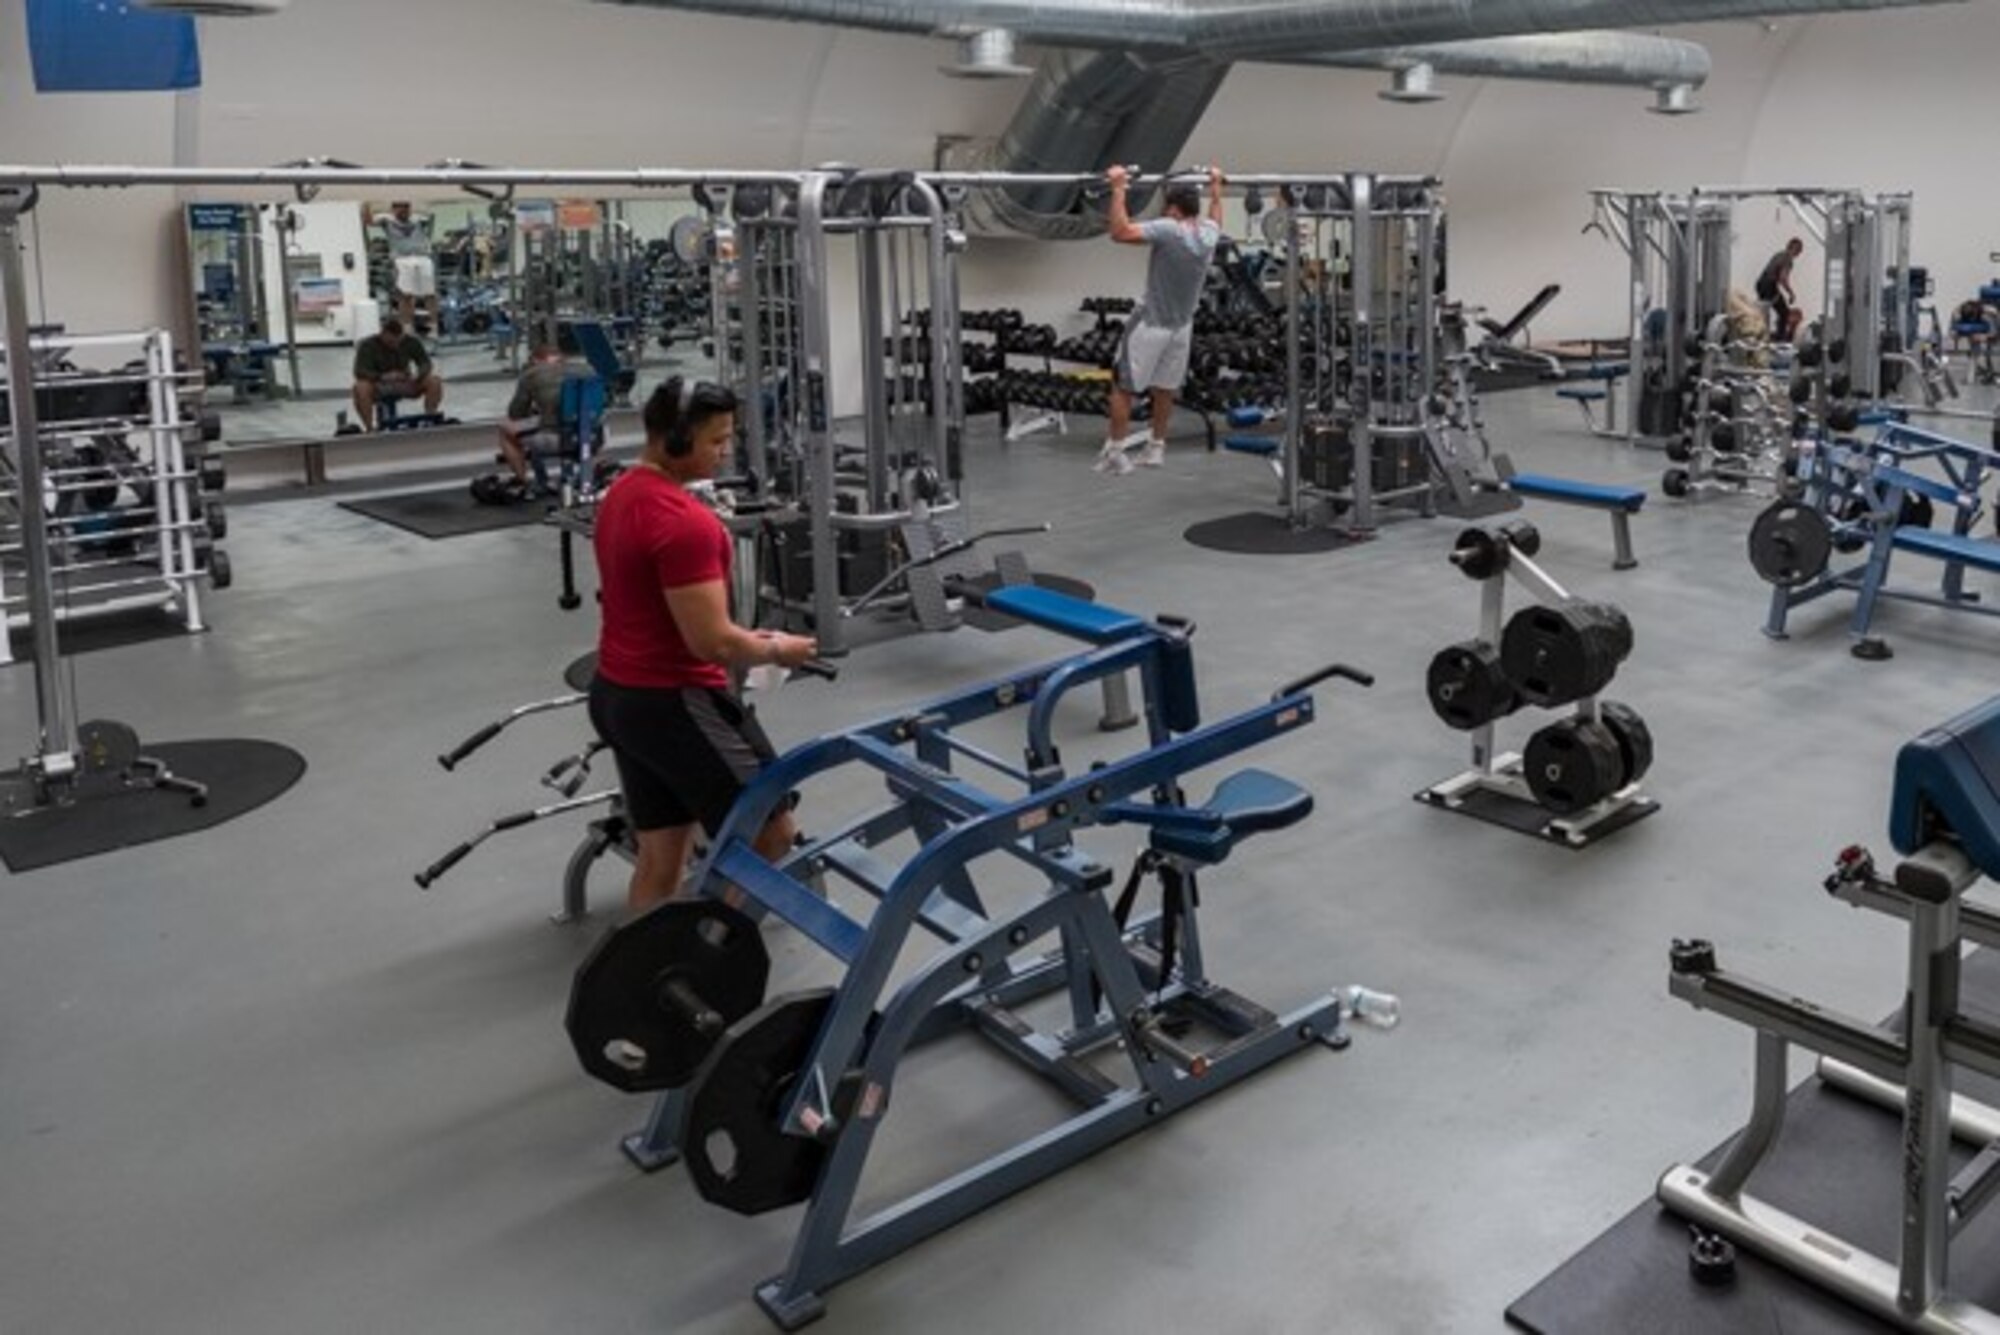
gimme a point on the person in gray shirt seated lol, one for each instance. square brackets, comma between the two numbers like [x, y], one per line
[1153, 357]
[533, 426]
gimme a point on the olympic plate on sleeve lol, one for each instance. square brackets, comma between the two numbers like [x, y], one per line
[1790, 544]
[733, 1142]
[650, 1002]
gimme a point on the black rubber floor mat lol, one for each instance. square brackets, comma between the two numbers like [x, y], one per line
[444, 512]
[1265, 533]
[241, 776]
[1527, 818]
[1838, 1164]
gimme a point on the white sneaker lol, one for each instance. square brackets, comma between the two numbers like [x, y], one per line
[1112, 461]
[1155, 454]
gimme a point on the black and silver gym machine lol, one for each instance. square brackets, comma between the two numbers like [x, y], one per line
[1944, 819]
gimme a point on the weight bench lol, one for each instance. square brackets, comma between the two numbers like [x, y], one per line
[1596, 383]
[1266, 448]
[1621, 503]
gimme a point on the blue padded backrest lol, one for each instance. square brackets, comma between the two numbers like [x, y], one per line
[582, 394]
[1091, 622]
[595, 345]
[1948, 780]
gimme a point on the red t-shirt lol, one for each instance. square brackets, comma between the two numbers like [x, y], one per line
[652, 536]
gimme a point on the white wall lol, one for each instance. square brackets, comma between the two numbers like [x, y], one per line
[1877, 99]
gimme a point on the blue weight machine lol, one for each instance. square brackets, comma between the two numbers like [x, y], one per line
[1870, 498]
[775, 1103]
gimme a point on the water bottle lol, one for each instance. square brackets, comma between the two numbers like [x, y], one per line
[1380, 1010]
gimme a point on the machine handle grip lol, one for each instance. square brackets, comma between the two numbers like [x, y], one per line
[441, 866]
[1355, 675]
[965, 590]
[818, 667]
[465, 748]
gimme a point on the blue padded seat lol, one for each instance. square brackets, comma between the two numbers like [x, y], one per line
[1880, 416]
[1605, 371]
[1247, 416]
[1571, 492]
[1974, 552]
[1247, 802]
[1948, 780]
[1581, 393]
[1063, 614]
[1265, 446]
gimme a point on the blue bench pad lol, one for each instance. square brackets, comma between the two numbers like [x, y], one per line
[1063, 614]
[1262, 445]
[1571, 492]
[1581, 393]
[1949, 547]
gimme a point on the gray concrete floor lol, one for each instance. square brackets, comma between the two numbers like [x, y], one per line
[254, 1081]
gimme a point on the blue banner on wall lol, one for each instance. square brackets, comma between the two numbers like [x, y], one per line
[110, 46]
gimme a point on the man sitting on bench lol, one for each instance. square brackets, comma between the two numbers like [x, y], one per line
[533, 425]
[393, 365]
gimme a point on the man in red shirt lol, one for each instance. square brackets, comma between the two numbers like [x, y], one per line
[686, 746]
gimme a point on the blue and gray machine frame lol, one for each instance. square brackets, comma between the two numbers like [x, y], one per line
[1121, 978]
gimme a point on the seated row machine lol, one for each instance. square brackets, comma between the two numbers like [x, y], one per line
[772, 1103]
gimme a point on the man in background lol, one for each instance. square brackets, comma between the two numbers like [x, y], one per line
[393, 365]
[1153, 358]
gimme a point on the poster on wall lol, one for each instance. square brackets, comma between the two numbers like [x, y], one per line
[535, 215]
[217, 217]
[578, 215]
[317, 296]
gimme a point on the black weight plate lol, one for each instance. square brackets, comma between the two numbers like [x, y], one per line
[731, 1142]
[1554, 655]
[1572, 765]
[107, 746]
[1466, 686]
[1612, 628]
[1917, 511]
[621, 993]
[1675, 482]
[1522, 536]
[1635, 739]
[1479, 554]
[1790, 544]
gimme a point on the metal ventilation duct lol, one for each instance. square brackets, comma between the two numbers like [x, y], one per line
[1248, 29]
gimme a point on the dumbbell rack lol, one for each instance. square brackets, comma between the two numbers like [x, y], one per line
[1740, 431]
[119, 538]
[1496, 789]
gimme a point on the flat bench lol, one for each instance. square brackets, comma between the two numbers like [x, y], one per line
[1600, 385]
[1620, 502]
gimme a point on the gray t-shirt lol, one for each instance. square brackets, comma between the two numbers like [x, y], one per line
[538, 394]
[406, 239]
[1176, 269]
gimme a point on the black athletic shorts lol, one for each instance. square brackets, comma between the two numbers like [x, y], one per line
[684, 755]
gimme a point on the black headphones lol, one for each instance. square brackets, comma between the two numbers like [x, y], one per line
[680, 440]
